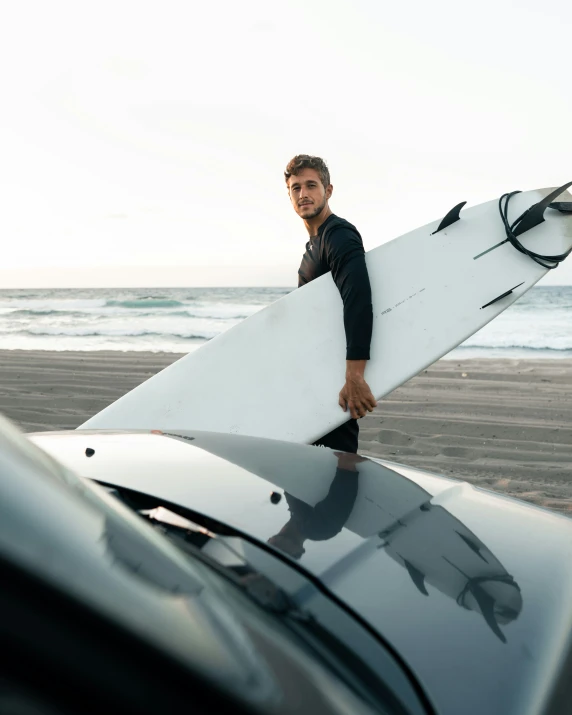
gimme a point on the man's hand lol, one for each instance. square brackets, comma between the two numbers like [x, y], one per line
[355, 395]
[347, 461]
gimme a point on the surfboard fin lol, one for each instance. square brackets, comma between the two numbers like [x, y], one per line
[535, 214]
[417, 577]
[451, 217]
[486, 604]
[564, 207]
[503, 295]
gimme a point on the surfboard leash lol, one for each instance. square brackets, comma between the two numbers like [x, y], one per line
[531, 218]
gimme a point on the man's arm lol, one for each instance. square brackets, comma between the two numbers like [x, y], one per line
[346, 259]
[356, 395]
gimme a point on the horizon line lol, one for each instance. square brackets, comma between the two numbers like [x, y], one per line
[149, 287]
[199, 287]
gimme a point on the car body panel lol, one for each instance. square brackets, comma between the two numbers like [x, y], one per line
[472, 589]
[68, 538]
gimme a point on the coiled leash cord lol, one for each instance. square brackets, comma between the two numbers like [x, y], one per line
[545, 261]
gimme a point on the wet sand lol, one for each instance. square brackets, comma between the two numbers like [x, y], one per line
[505, 425]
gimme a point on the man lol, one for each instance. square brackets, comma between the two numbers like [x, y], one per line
[325, 519]
[335, 245]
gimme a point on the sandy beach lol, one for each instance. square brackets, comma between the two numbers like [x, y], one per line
[505, 425]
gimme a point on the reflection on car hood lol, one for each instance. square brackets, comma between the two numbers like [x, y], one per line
[471, 588]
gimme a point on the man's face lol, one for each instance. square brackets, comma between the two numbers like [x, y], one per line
[307, 193]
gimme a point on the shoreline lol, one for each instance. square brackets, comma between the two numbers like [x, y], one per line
[542, 355]
[499, 423]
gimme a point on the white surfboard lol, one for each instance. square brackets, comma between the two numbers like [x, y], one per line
[278, 373]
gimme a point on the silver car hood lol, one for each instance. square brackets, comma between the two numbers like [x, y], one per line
[472, 589]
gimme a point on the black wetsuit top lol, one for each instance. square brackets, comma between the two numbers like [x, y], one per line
[328, 517]
[338, 248]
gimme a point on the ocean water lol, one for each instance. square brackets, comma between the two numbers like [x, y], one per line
[181, 319]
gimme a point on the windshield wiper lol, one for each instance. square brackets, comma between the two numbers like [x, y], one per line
[192, 538]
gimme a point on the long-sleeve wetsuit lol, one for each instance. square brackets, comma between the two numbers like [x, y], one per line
[338, 248]
[326, 518]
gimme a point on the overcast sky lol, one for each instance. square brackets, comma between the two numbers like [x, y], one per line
[145, 143]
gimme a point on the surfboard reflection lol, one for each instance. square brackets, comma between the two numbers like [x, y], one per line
[328, 491]
[436, 548]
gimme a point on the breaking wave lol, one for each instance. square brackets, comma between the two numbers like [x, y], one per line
[145, 303]
[178, 319]
[116, 332]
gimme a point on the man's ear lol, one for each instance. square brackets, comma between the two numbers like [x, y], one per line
[329, 191]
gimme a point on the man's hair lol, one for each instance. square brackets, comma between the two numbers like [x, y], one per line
[305, 161]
